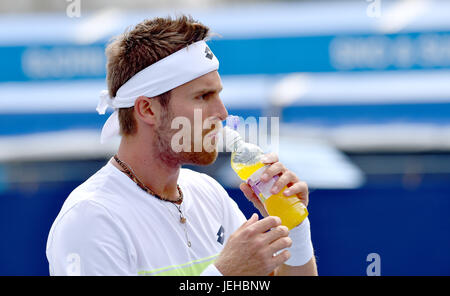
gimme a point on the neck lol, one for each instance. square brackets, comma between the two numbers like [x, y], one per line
[150, 166]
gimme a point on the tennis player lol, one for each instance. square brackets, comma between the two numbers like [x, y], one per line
[142, 214]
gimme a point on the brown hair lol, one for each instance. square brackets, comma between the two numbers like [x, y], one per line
[143, 45]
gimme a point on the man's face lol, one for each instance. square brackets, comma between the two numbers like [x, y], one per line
[198, 103]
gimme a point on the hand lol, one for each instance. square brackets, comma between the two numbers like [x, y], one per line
[286, 178]
[250, 249]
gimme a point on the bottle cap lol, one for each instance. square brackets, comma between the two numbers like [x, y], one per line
[231, 135]
[233, 122]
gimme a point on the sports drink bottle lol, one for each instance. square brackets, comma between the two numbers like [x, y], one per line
[246, 162]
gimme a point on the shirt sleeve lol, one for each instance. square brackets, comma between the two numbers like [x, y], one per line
[87, 241]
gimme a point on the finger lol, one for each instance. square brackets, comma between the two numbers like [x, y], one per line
[281, 258]
[280, 244]
[276, 233]
[300, 189]
[273, 170]
[285, 178]
[250, 221]
[269, 158]
[265, 224]
[248, 192]
[251, 196]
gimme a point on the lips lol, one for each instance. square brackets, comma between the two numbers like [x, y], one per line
[212, 134]
[215, 131]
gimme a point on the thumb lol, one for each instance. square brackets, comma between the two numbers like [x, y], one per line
[248, 192]
[251, 196]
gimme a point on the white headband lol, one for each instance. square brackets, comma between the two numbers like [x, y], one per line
[185, 65]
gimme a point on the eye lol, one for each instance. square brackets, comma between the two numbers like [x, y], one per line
[204, 96]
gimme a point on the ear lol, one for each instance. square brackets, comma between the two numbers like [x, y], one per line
[147, 110]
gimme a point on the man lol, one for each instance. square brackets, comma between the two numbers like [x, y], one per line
[142, 214]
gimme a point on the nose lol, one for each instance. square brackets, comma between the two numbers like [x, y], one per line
[221, 112]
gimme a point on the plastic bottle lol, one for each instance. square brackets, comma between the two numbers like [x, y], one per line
[246, 162]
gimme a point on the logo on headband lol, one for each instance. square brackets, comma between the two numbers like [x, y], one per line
[209, 53]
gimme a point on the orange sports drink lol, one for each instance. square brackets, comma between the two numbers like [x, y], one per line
[245, 161]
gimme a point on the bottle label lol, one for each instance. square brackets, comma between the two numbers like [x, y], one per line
[261, 189]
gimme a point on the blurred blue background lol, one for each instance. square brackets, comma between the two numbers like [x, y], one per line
[362, 90]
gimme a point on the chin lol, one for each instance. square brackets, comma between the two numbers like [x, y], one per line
[201, 158]
[212, 156]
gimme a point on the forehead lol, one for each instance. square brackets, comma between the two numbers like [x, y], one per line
[208, 82]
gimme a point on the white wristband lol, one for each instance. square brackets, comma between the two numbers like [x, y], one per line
[301, 249]
[211, 270]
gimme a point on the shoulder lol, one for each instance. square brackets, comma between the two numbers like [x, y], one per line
[89, 231]
[101, 190]
[85, 223]
[91, 203]
[81, 219]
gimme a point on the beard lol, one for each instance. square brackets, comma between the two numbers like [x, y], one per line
[164, 134]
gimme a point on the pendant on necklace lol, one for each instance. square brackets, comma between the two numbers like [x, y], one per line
[182, 220]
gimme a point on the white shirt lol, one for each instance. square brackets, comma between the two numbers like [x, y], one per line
[110, 226]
